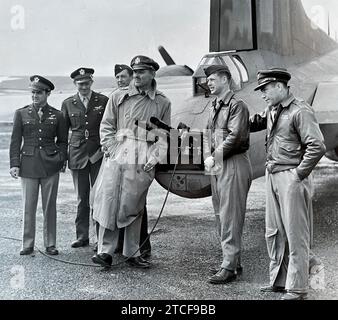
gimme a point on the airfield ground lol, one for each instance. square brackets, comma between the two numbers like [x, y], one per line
[185, 245]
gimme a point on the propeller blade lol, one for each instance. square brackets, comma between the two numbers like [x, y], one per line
[166, 57]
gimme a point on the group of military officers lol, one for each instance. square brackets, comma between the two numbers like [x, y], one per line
[112, 190]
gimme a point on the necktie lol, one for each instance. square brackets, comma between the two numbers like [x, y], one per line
[85, 101]
[273, 113]
[40, 113]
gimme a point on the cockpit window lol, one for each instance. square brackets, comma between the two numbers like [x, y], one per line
[242, 69]
[237, 69]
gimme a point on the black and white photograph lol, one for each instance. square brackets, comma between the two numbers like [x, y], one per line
[175, 151]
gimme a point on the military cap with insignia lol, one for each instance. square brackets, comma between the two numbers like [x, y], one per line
[40, 83]
[120, 67]
[143, 62]
[82, 74]
[216, 68]
[265, 77]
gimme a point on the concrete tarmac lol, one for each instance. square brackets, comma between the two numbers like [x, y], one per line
[185, 245]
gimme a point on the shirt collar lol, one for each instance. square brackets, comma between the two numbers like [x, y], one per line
[226, 97]
[88, 96]
[287, 101]
[133, 91]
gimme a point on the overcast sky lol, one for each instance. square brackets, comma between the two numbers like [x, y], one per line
[55, 37]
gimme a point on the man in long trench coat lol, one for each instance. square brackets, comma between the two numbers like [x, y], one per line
[129, 166]
[294, 146]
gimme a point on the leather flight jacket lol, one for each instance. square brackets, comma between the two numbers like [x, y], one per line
[228, 126]
[293, 139]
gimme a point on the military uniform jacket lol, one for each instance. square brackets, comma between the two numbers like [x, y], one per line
[38, 147]
[84, 144]
[293, 140]
[228, 129]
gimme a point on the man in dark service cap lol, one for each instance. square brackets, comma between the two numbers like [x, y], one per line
[294, 146]
[226, 142]
[123, 75]
[122, 186]
[42, 130]
[83, 113]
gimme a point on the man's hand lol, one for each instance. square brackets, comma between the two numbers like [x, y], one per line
[14, 172]
[150, 165]
[209, 163]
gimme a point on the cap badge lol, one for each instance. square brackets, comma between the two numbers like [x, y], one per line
[36, 79]
[137, 60]
[82, 72]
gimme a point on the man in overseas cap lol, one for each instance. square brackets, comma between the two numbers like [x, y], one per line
[83, 113]
[38, 161]
[129, 166]
[226, 141]
[123, 75]
[294, 146]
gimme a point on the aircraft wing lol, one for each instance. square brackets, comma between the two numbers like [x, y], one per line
[325, 103]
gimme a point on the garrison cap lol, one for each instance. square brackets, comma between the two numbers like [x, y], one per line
[264, 77]
[216, 68]
[40, 83]
[143, 62]
[82, 74]
[120, 67]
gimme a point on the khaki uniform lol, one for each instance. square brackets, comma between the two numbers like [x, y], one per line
[294, 146]
[229, 129]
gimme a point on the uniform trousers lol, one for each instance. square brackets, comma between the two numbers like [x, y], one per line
[229, 194]
[288, 229]
[49, 190]
[108, 239]
[83, 180]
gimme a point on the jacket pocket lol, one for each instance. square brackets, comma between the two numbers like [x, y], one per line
[28, 150]
[75, 119]
[271, 241]
[50, 151]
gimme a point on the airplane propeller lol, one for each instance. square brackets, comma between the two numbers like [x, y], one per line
[172, 69]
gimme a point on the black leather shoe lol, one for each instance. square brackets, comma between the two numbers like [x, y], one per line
[52, 251]
[103, 259]
[138, 262]
[95, 247]
[145, 254]
[80, 243]
[213, 270]
[272, 289]
[222, 276]
[118, 250]
[290, 296]
[26, 251]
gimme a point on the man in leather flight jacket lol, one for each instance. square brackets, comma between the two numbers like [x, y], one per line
[226, 158]
[294, 146]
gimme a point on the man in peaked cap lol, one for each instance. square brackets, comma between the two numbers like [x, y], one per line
[226, 141]
[83, 113]
[123, 185]
[124, 75]
[294, 146]
[38, 161]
